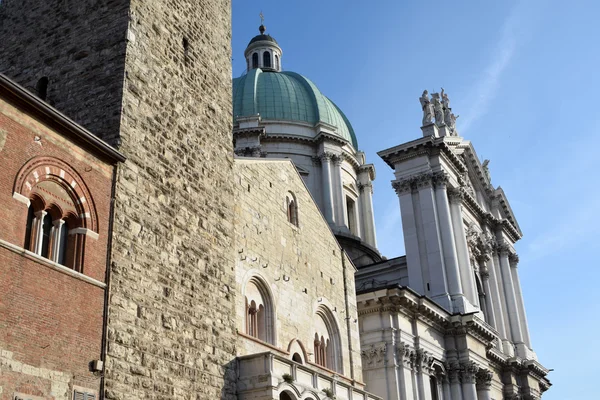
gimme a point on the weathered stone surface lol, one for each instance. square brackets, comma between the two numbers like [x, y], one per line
[120, 68]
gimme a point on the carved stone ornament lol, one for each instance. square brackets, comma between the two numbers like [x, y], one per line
[455, 195]
[484, 379]
[406, 355]
[514, 259]
[468, 372]
[374, 356]
[453, 370]
[424, 361]
[416, 182]
[438, 109]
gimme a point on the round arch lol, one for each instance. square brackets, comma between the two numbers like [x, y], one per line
[261, 321]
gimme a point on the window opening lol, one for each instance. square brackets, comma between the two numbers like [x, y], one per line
[292, 209]
[267, 59]
[255, 60]
[297, 358]
[276, 62]
[46, 232]
[29, 227]
[351, 215]
[42, 88]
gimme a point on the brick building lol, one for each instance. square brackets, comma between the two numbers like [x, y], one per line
[56, 191]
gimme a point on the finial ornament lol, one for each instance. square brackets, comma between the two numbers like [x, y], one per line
[262, 27]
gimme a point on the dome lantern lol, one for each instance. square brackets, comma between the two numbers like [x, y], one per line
[263, 52]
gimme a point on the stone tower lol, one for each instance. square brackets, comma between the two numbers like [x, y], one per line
[154, 78]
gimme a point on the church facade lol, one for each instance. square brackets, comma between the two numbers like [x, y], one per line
[146, 255]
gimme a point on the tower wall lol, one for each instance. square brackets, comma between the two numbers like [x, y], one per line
[157, 76]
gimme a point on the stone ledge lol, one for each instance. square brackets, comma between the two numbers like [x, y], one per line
[51, 264]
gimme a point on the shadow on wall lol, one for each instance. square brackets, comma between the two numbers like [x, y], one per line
[228, 392]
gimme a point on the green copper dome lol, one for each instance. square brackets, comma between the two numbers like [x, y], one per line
[287, 96]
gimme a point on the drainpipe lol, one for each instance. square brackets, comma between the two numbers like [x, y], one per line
[107, 280]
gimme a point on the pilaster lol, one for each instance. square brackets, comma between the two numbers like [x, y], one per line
[468, 373]
[509, 293]
[339, 202]
[454, 375]
[326, 172]
[514, 262]
[484, 384]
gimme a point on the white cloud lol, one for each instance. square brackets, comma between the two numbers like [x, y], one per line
[485, 89]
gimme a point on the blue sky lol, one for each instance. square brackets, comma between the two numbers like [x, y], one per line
[524, 78]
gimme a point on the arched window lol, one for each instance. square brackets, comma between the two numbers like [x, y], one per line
[285, 396]
[351, 216]
[327, 343]
[61, 212]
[260, 316]
[255, 60]
[276, 62]
[291, 206]
[266, 59]
[297, 358]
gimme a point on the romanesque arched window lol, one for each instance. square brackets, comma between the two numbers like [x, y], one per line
[60, 211]
[266, 59]
[260, 316]
[291, 205]
[255, 60]
[327, 343]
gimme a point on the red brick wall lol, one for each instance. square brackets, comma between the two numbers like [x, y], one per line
[48, 319]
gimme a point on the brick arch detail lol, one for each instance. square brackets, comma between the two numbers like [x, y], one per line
[40, 169]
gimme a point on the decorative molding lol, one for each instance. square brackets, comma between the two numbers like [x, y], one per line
[20, 198]
[374, 356]
[419, 181]
[468, 371]
[484, 379]
[424, 362]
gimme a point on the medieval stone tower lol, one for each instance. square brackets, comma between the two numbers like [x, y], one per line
[153, 78]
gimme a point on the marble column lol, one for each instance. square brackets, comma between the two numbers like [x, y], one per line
[406, 362]
[37, 235]
[339, 200]
[509, 294]
[484, 384]
[514, 261]
[367, 216]
[446, 393]
[424, 361]
[485, 279]
[57, 227]
[327, 187]
[466, 271]
[446, 233]
[501, 307]
[409, 212]
[468, 372]
[455, 384]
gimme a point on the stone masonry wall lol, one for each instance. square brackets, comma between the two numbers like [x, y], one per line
[171, 318]
[270, 247]
[157, 76]
[79, 45]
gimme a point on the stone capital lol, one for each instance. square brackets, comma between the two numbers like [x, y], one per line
[367, 186]
[453, 372]
[513, 258]
[484, 379]
[468, 372]
[402, 186]
[440, 179]
[424, 361]
[455, 196]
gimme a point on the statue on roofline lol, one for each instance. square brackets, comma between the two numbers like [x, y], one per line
[438, 109]
[427, 108]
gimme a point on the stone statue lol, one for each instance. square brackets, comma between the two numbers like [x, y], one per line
[445, 100]
[451, 121]
[438, 109]
[427, 108]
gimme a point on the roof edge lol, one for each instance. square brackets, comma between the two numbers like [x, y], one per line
[21, 97]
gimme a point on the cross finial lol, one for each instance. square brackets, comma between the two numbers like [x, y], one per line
[262, 18]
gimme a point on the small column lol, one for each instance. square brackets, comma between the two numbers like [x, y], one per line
[452, 267]
[514, 261]
[38, 234]
[327, 186]
[446, 393]
[454, 378]
[468, 372]
[406, 361]
[509, 293]
[367, 216]
[339, 201]
[55, 239]
[424, 361]
[484, 384]
[466, 271]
